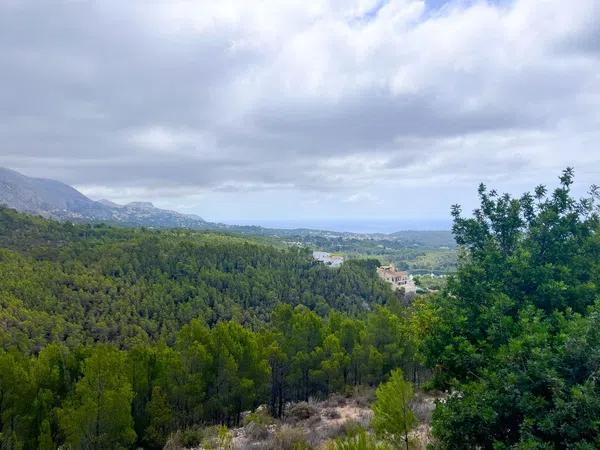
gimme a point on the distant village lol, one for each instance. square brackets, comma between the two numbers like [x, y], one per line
[398, 279]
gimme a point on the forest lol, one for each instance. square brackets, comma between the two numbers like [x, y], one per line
[117, 338]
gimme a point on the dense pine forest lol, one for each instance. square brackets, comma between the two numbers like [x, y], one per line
[81, 284]
[116, 338]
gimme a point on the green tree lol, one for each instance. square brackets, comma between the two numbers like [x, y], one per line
[393, 417]
[16, 395]
[160, 415]
[515, 334]
[99, 414]
[45, 441]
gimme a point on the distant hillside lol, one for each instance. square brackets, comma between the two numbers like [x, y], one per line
[56, 200]
[442, 238]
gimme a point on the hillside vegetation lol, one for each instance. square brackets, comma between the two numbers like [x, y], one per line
[81, 284]
[116, 338]
[517, 334]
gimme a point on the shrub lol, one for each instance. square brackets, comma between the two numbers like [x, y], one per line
[313, 421]
[364, 396]
[336, 399]
[290, 438]
[302, 411]
[256, 431]
[361, 441]
[261, 416]
[191, 437]
[351, 428]
[331, 413]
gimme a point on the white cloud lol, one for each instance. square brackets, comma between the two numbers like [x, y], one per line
[362, 197]
[163, 139]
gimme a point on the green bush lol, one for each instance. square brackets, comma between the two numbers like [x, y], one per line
[290, 438]
[360, 441]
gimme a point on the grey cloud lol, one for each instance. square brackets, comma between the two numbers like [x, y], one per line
[78, 78]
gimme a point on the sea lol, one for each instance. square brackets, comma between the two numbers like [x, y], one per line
[362, 225]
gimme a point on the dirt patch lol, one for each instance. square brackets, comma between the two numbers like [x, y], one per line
[314, 423]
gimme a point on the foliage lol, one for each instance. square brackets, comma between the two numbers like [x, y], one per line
[80, 284]
[290, 438]
[516, 332]
[359, 441]
[114, 338]
[99, 414]
[302, 411]
[393, 418]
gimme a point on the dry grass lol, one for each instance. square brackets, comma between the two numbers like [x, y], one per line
[290, 438]
[313, 424]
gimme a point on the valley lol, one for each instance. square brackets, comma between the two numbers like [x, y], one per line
[173, 338]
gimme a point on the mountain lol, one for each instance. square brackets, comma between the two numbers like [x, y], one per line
[56, 200]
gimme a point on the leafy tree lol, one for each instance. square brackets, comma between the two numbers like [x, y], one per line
[45, 439]
[514, 335]
[116, 337]
[393, 417]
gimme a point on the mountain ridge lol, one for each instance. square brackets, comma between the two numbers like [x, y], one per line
[53, 199]
[56, 200]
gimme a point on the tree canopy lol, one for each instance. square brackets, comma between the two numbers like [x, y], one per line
[112, 338]
[516, 335]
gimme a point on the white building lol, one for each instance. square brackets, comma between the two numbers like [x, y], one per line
[328, 259]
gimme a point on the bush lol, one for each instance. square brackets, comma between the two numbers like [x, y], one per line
[190, 437]
[302, 411]
[331, 413]
[313, 421]
[173, 441]
[290, 438]
[261, 416]
[336, 400]
[256, 431]
[423, 406]
[361, 441]
[351, 428]
[214, 437]
[364, 396]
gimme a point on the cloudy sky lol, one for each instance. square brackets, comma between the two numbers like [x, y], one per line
[282, 110]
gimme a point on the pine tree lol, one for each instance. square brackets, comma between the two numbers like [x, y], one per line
[393, 417]
[45, 441]
[99, 415]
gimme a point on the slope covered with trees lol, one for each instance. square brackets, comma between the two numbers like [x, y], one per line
[117, 337]
[81, 284]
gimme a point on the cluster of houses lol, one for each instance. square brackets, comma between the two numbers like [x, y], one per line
[398, 279]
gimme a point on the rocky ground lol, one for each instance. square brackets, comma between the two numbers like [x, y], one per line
[311, 425]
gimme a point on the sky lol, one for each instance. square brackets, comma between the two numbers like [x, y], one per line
[301, 111]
